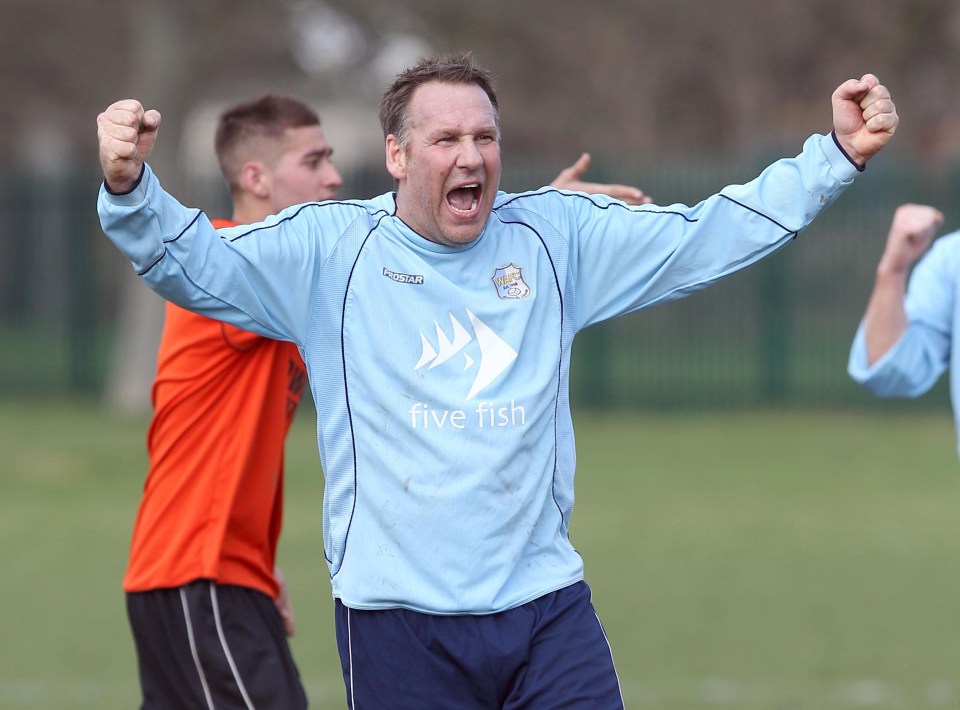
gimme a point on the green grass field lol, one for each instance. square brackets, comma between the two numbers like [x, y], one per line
[776, 560]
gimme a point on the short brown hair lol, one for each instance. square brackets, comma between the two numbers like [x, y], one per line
[447, 69]
[242, 125]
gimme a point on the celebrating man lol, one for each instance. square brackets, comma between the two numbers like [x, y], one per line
[437, 324]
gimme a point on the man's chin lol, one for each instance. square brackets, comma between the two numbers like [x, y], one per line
[461, 237]
[463, 232]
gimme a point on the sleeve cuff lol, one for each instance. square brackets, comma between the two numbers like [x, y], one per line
[139, 178]
[132, 197]
[860, 168]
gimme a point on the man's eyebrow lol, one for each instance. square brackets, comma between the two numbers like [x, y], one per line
[446, 131]
[319, 153]
[460, 131]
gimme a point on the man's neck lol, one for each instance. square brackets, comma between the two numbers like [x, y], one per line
[248, 212]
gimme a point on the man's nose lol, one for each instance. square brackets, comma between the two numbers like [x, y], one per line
[468, 154]
[332, 177]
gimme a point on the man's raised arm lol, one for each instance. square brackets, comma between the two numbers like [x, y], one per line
[885, 320]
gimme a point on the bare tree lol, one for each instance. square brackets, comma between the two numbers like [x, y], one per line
[173, 46]
[158, 27]
[631, 80]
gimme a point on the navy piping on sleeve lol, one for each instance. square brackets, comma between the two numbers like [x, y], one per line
[759, 213]
[616, 204]
[155, 262]
[305, 206]
[126, 192]
[860, 168]
[160, 258]
[654, 210]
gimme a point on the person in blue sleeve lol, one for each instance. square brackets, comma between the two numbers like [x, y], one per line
[436, 322]
[906, 339]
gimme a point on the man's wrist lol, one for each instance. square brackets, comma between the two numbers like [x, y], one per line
[121, 189]
[858, 165]
[891, 271]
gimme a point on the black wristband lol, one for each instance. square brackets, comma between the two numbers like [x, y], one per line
[860, 168]
[134, 187]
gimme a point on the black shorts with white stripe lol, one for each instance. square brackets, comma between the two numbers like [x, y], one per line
[205, 645]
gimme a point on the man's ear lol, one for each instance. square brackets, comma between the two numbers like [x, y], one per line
[256, 179]
[396, 158]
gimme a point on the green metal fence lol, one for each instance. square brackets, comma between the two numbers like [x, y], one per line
[777, 333]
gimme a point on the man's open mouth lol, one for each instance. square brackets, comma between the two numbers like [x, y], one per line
[464, 198]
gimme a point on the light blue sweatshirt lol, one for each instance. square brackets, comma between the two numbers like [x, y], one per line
[440, 374]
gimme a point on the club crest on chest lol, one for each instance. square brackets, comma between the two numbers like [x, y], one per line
[509, 283]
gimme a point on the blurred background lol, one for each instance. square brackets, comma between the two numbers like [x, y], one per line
[679, 98]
